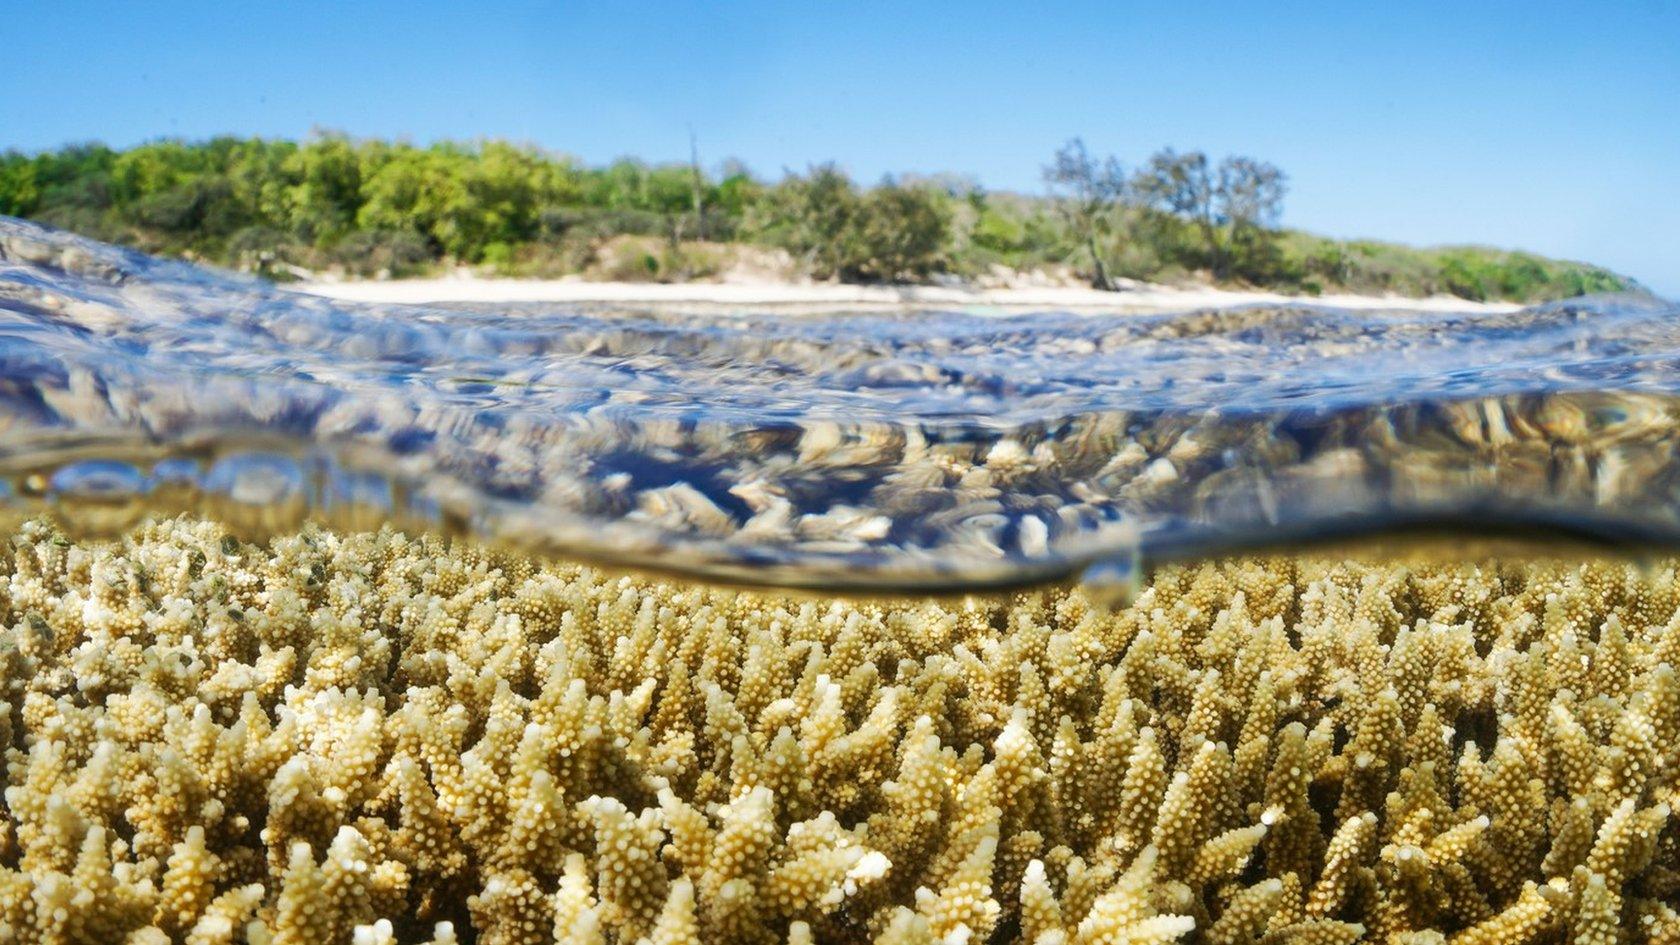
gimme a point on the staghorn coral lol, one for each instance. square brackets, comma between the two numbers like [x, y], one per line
[373, 738]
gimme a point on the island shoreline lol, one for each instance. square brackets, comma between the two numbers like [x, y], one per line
[1138, 299]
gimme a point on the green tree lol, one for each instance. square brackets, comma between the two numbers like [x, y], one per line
[1233, 206]
[898, 233]
[257, 171]
[811, 216]
[324, 188]
[20, 191]
[1248, 202]
[1086, 192]
[371, 206]
[728, 201]
[1183, 184]
[438, 193]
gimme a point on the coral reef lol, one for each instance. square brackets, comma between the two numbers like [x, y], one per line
[374, 738]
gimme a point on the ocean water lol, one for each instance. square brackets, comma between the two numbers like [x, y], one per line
[860, 450]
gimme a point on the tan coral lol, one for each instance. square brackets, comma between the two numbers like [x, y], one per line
[376, 738]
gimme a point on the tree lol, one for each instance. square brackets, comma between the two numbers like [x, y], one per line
[900, 233]
[1250, 192]
[1086, 191]
[366, 206]
[408, 189]
[20, 191]
[888, 233]
[1249, 201]
[1234, 206]
[1181, 184]
[326, 195]
[811, 216]
[697, 185]
[728, 200]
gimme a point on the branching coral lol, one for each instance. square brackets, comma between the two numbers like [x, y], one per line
[373, 738]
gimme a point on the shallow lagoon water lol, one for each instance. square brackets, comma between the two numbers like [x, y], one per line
[353, 734]
[862, 450]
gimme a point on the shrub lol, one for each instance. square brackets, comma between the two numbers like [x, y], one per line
[392, 252]
[899, 234]
[372, 206]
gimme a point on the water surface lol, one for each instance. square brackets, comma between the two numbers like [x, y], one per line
[916, 449]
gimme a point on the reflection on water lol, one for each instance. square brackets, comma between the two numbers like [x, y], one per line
[845, 449]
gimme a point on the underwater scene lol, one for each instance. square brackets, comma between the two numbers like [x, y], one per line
[525, 623]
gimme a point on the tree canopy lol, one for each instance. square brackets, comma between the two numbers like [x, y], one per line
[367, 206]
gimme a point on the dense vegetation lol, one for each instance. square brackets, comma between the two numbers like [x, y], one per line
[372, 207]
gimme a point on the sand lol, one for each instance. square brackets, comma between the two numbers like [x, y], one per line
[1138, 298]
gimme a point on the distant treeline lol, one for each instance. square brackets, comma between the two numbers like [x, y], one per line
[375, 207]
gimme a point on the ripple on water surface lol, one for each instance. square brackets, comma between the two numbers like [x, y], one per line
[910, 449]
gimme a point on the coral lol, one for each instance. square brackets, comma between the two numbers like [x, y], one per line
[375, 738]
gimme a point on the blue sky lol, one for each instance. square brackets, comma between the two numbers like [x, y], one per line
[1548, 126]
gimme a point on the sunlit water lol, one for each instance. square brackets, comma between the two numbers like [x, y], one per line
[861, 450]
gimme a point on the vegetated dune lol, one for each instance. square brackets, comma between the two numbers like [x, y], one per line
[375, 738]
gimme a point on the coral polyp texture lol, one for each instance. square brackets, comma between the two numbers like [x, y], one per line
[373, 738]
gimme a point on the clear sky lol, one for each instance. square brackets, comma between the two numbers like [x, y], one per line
[1547, 126]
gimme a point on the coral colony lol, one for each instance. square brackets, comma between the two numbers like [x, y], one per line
[372, 738]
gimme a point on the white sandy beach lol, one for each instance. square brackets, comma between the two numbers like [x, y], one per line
[1138, 298]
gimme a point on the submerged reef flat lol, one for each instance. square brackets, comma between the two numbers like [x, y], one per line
[836, 449]
[372, 738]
